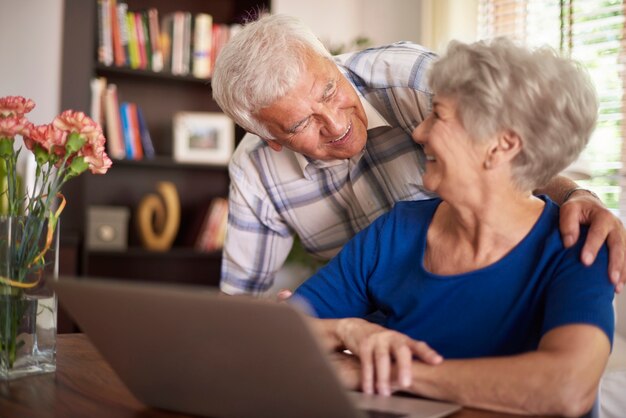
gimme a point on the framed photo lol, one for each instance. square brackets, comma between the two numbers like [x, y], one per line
[203, 137]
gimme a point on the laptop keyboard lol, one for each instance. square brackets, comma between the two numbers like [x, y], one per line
[373, 413]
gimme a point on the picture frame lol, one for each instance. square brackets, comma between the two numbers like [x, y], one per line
[203, 138]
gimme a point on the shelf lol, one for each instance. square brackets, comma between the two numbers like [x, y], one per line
[165, 162]
[160, 95]
[179, 265]
[173, 253]
[110, 71]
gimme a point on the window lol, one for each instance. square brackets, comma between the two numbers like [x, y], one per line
[590, 31]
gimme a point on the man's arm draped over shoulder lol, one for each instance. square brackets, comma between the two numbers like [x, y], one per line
[584, 208]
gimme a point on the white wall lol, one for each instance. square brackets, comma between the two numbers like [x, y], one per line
[621, 313]
[30, 47]
[393, 20]
[341, 21]
[31, 34]
[444, 20]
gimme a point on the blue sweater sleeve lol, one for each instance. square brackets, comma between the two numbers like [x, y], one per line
[580, 294]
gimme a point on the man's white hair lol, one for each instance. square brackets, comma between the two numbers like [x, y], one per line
[261, 64]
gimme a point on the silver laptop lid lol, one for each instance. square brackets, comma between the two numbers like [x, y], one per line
[191, 350]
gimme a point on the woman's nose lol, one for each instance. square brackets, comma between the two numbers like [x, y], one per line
[420, 133]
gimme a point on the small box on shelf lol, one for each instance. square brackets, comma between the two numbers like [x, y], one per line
[107, 228]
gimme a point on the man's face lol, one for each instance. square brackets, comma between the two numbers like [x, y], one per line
[321, 117]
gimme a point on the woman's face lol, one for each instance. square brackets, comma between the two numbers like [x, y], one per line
[454, 160]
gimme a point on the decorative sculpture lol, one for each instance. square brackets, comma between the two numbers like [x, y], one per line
[158, 217]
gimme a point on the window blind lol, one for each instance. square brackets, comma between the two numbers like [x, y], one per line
[592, 32]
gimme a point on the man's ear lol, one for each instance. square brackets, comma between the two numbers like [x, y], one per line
[506, 146]
[273, 144]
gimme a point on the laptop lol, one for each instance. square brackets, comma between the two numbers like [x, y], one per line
[191, 350]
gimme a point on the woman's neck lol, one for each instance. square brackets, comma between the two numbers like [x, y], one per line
[472, 233]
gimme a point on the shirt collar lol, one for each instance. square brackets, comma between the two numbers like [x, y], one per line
[374, 120]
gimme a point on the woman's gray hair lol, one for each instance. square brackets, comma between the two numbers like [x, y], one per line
[547, 100]
[261, 64]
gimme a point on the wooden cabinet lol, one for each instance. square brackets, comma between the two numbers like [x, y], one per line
[160, 96]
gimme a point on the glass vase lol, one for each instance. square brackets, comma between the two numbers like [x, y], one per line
[28, 305]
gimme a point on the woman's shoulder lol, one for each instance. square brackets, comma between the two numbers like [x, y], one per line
[410, 213]
[552, 238]
[422, 205]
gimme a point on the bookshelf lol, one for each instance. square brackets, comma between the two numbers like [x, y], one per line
[160, 95]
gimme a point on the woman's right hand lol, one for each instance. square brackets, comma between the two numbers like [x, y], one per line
[377, 348]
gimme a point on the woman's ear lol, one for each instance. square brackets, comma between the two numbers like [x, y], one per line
[504, 148]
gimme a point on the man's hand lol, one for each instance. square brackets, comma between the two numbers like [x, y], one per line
[283, 295]
[584, 208]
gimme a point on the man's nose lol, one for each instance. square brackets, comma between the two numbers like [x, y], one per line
[333, 122]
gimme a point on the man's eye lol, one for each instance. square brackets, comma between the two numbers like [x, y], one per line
[304, 125]
[298, 129]
[331, 94]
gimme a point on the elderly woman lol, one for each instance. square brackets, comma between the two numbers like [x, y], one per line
[484, 306]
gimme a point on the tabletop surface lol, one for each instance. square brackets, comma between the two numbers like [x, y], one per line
[85, 386]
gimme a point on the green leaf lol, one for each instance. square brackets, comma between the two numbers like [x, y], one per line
[41, 155]
[74, 142]
[78, 166]
[6, 147]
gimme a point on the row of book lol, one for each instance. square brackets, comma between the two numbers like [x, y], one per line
[124, 124]
[213, 228]
[177, 42]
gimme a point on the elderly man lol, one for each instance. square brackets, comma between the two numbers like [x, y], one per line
[329, 150]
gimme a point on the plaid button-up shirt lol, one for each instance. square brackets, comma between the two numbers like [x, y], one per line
[274, 195]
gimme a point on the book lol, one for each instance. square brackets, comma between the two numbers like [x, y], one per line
[133, 43]
[129, 143]
[115, 136]
[166, 41]
[147, 40]
[146, 139]
[141, 41]
[187, 39]
[219, 225]
[221, 33]
[213, 230]
[122, 25]
[118, 50]
[133, 121]
[201, 62]
[155, 39]
[178, 42]
[98, 87]
[105, 42]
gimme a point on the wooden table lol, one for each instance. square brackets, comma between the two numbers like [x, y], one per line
[85, 386]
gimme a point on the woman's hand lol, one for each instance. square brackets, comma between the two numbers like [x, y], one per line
[348, 369]
[583, 208]
[377, 348]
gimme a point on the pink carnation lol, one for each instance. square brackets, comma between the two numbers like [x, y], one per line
[72, 121]
[94, 150]
[15, 106]
[12, 125]
[48, 137]
[94, 154]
